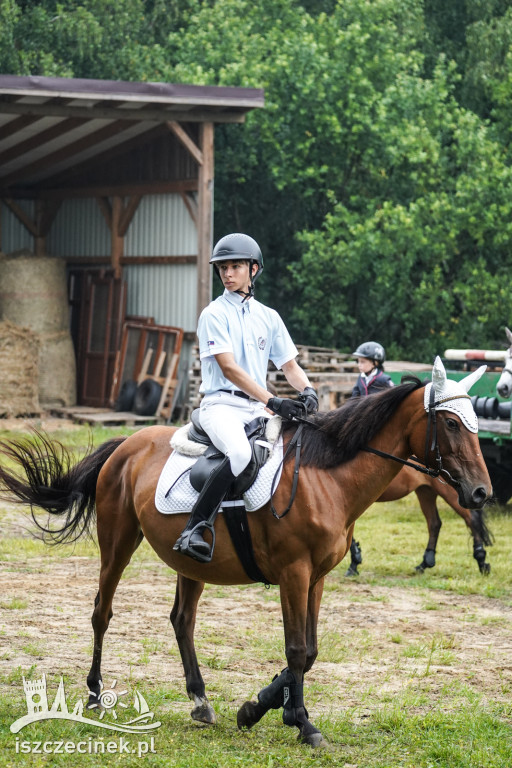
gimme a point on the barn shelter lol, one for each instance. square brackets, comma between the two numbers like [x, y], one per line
[114, 180]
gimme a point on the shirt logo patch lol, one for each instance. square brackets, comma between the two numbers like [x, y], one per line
[210, 343]
[262, 343]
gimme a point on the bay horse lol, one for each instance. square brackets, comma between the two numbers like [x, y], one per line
[348, 458]
[504, 385]
[428, 489]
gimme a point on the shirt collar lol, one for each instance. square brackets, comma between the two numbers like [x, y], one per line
[367, 377]
[237, 300]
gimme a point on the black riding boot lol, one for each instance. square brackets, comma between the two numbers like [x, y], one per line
[203, 515]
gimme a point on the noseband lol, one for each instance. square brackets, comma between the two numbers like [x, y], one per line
[431, 444]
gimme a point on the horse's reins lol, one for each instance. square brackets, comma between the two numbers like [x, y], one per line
[431, 444]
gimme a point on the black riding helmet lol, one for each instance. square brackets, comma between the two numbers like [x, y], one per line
[371, 350]
[238, 246]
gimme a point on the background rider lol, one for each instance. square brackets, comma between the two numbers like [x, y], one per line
[370, 358]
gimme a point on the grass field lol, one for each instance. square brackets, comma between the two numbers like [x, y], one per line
[413, 671]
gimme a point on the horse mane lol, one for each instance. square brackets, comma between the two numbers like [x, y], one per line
[340, 434]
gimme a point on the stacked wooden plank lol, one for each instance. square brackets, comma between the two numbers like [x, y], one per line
[332, 373]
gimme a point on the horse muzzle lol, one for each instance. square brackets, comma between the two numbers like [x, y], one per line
[473, 496]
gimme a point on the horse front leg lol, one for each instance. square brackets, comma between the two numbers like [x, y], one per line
[183, 620]
[295, 594]
[314, 600]
[300, 605]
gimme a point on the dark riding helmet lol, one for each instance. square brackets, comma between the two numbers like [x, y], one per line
[372, 350]
[238, 246]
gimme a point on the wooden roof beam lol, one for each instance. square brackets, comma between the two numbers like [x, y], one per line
[18, 150]
[22, 217]
[66, 152]
[168, 113]
[185, 139]
[124, 190]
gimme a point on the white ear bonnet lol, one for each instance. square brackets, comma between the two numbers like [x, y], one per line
[454, 393]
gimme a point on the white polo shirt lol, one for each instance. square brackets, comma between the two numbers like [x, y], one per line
[252, 332]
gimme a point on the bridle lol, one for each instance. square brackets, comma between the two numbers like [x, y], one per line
[431, 444]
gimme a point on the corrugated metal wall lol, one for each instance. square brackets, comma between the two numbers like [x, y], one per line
[14, 236]
[161, 227]
[167, 293]
[79, 229]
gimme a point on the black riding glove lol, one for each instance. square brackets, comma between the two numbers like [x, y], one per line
[288, 409]
[310, 400]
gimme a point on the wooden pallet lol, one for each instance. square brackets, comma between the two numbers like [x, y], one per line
[104, 416]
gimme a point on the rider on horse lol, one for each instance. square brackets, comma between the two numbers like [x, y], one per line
[237, 337]
[370, 358]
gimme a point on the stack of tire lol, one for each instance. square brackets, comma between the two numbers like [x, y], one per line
[491, 407]
[142, 399]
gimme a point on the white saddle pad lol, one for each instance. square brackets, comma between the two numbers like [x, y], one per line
[175, 495]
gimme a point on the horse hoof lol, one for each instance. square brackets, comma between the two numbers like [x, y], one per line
[351, 572]
[248, 715]
[315, 740]
[485, 568]
[204, 713]
[420, 569]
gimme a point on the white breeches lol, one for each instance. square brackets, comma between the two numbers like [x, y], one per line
[223, 417]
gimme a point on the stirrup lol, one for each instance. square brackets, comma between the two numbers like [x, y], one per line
[183, 543]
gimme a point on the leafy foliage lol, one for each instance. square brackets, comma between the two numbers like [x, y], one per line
[377, 178]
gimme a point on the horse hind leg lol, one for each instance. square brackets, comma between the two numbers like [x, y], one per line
[427, 498]
[117, 545]
[481, 535]
[183, 620]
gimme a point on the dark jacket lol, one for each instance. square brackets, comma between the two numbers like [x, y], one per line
[377, 384]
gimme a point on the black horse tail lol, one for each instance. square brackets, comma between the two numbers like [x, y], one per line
[54, 483]
[480, 527]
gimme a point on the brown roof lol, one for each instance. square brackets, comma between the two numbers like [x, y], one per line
[49, 125]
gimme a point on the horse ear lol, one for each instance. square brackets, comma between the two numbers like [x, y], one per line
[509, 335]
[472, 378]
[438, 374]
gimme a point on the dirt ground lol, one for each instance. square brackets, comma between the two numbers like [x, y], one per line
[372, 639]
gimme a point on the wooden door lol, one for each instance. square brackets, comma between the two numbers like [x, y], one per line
[102, 315]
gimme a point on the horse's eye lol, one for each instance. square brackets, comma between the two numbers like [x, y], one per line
[452, 424]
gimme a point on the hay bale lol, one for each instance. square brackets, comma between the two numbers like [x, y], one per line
[19, 371]
[57, 370]
[33, 292]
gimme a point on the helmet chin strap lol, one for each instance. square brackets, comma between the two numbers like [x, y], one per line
[248, 294]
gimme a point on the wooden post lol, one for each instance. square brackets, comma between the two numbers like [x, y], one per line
[39, 239]
[117, 240]
[205, 216]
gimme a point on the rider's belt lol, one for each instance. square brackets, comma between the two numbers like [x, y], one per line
[236, 392]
